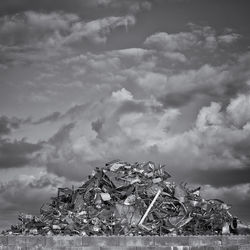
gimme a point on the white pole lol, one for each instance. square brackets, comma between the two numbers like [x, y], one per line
[149, 208]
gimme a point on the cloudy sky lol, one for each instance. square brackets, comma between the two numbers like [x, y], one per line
[83, 82]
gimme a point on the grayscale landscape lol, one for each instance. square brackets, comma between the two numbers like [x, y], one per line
[84, 82]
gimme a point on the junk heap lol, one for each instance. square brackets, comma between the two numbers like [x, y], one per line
[129, 199]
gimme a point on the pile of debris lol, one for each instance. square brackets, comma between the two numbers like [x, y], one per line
[129, 199]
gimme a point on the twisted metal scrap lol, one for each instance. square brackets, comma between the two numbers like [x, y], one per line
[129, 199]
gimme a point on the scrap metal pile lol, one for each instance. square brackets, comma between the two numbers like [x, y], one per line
[129, 199]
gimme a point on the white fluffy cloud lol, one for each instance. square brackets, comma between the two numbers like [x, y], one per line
[214, 140]
[144, 128]
[239, 110]
[171, 42]
[228, 38]
[122, 95]
[210, 116]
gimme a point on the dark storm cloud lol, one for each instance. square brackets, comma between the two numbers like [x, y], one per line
[7, 124]
[177, 99]
[97, 125]
[55, 116]
[131, 107]
[221, 177]
[72, 113]
[17, 153]
[75, 111]
[242, 148]
[180, 99]
[61, 135]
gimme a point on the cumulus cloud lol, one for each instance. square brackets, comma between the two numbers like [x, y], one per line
[239, 110]
[218, 83]
[153, 81]
[41, 30]
[212, 146]
[103, 131]
[110, 68]
[176, 90]
[147, 72]
[175, 56]
[208, 149]
[152, 71]
[132, 127]
[210, 116]
[122, 95]
[171, 42]
[144, 72]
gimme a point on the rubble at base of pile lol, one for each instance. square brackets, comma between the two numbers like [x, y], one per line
[130, 199]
